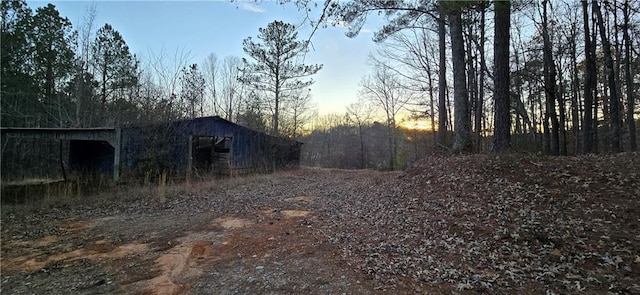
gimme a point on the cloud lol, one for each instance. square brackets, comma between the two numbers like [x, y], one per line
[251, 7]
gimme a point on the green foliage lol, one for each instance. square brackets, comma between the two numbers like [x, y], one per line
[400, 14]
[44, 83]
[16, 48]
[83, 87]
[276, 67]
[52, 37]
[37, 54]
[193, 85]
[18, 86]
[116, 68]
[251, 115]
[275, 57]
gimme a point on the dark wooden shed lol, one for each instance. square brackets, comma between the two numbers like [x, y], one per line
[190, 147]
[207, 145]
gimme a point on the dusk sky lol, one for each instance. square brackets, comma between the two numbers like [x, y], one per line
[203, 27]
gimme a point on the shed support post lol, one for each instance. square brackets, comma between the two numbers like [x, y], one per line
[231, 170]
[116, 155]
[190, 158]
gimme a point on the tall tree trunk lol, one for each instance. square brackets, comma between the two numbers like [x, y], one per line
[78, 87]
[550, 85]
[617, 68]
[614, 104]
[502, 116]
[431, 104]
[546, 132]
[562, 117]
[595, 127]
[480, 100]
[575, 109]
[442, 81]
[471, 73]
[460, 96]
[519, 94]
[631, 123]
[361, 146]
[449, 116]
[604, 99]
[103, 90]
[391, 124]
[429, 70]
[48, 84]
[276, 111]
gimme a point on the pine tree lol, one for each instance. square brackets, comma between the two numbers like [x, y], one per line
[275, 65]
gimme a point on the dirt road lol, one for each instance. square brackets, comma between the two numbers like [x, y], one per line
[261, 234]
[514, 224]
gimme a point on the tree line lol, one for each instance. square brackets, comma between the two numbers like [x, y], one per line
[55, 75]
[562, 79]
[557, 77]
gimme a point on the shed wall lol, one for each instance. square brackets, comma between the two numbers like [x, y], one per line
[165, 146]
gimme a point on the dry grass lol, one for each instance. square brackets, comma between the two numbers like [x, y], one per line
[61, 194]
[162, 184]
[37, 194]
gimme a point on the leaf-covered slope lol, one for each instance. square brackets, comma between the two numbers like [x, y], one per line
[502, 224]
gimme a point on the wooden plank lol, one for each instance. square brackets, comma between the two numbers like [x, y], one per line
[102, 134]
[111, 135]
[116, 154]
[190, 158]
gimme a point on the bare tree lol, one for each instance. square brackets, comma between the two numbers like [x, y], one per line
[442, 79]
[211, 69]
[360, 113]
[231, 89]
[614, 108]
[192, 90]
[326, 152]
[167, 69]
[462, 122]
[479, 103]
[502, 116]
[631, 123]
[384, 89]
[550, 85]
[589, 83]
[297, 112]
[413, 53]
[83, 97]
[572, 40]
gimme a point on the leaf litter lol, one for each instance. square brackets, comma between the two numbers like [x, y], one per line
[451, 224]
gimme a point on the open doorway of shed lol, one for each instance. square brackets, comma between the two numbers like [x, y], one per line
[91, 157]
[211, 155]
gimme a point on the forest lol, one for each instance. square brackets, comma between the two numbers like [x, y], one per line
[491, 148]
[549, 77]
